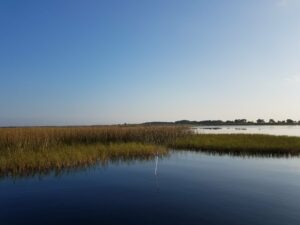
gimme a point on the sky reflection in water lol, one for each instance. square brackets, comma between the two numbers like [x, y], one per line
[189, 188]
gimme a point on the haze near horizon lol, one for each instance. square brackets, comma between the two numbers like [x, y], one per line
[105, 62]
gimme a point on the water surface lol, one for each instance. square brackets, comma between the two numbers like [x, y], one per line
[251, 129]
[189, 188]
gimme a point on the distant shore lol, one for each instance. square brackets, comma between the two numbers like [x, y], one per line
[237, 122]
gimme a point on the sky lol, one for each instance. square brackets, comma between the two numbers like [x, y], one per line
[106, 62]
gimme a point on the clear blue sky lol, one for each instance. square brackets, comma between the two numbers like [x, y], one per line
[102, 62]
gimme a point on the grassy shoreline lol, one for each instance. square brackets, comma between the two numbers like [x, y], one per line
[30, 150]
[27, 162]
[240, 143]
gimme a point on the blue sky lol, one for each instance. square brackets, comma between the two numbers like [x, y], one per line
[103, 62]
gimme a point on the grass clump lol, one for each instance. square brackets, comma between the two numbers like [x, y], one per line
[240, 143]
[27, 162]
[37, 138]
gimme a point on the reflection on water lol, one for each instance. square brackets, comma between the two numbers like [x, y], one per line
[58, 170]
[271, 130]
[183, 188]
[61, 169]
[246, 155]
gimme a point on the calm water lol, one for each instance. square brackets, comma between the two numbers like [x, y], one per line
[272, 130]
[190, 188]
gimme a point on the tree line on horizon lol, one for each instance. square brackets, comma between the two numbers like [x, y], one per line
[231, 122]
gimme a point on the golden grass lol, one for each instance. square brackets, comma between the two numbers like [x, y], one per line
[44, 149]
[37, 138]
[26, 162]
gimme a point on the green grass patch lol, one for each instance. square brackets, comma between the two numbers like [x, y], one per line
[240, 144]
[28, 162]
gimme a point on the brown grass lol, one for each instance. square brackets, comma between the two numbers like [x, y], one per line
[26, 150]
[42, 149]
[47, 137]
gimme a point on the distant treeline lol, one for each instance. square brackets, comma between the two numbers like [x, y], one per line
[228, 122]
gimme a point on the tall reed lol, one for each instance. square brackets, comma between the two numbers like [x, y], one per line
[29, 162]
[38, 138]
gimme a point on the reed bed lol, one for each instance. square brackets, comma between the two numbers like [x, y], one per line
[41, 149]
[240, 144]
[27, 162]
[38, 138]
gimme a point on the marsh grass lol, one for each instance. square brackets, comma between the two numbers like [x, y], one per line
[38, 138]
[43, 149]
[26, 162]
[239, 144]
[26, 151]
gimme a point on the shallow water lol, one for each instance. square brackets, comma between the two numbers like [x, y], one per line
[189, 188]
[271, 130]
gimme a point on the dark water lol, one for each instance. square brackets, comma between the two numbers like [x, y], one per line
[190, 188]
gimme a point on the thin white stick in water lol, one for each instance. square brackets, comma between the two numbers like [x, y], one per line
[156, 163]
[155, 173]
